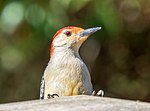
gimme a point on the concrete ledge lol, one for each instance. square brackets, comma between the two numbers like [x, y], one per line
[77, 103]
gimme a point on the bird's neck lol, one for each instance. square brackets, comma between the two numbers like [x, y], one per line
[64, 53]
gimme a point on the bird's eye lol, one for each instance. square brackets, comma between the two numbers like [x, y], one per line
[68, 33]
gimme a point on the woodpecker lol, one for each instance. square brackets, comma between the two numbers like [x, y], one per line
[66, 74]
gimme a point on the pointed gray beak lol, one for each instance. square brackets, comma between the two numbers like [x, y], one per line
[88, 31]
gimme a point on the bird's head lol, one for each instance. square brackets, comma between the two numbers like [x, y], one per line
[71, 37]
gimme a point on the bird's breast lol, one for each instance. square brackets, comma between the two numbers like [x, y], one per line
[68, 78]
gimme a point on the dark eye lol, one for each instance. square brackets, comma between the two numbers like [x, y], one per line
[68, 33]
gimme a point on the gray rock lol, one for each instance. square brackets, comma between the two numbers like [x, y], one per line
[77, 103]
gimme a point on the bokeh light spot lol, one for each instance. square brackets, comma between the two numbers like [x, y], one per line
[130, 10]
[11, 16]
[35, 15]
[10, 58]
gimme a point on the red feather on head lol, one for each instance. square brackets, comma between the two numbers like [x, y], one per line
[75, 29]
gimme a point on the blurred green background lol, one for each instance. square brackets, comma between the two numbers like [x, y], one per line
[118, 56]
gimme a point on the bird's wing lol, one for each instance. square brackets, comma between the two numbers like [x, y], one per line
[42, 88]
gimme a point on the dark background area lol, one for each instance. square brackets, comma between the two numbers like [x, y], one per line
[118, 56]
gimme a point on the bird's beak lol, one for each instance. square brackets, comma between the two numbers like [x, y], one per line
[88, 31]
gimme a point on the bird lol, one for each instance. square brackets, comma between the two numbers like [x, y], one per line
[66, 73]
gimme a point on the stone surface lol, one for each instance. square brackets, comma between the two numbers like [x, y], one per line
[77, 103]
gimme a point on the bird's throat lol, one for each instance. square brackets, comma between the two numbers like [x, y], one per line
[63, 53]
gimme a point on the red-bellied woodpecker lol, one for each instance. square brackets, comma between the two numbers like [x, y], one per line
[66, 74]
